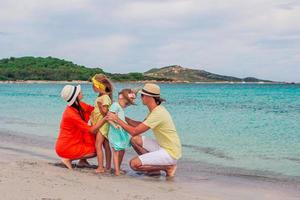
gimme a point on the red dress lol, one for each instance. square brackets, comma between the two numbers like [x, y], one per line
[74, 140]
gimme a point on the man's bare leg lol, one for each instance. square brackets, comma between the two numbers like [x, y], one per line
[136, 165]
[137, 144]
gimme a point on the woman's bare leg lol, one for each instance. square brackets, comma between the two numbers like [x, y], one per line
[116, 162]
[107, 154]
[67, 162]
[98, 144]
[83, 162]
[87, 156]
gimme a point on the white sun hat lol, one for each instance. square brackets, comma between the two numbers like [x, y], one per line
[69, 93]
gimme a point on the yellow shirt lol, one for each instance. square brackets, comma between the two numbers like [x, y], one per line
[161, 123]
[96, 114]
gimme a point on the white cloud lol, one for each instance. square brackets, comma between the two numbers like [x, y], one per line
[234, 37]
[95, 52]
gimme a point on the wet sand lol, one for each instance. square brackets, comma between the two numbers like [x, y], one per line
[28, 171]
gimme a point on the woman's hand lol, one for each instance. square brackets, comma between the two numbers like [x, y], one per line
[94, 129]
[105, 118]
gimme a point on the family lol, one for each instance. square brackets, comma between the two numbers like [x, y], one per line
[103, 130]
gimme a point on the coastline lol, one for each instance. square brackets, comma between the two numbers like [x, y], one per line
[144, 81]
[27, 162]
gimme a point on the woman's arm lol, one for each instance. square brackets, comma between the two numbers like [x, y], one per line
[87, 108]
[133, 131]
[94, 129]
[82, 125]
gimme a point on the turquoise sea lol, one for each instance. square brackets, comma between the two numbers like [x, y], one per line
[241, 126]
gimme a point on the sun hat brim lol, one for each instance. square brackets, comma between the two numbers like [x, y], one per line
[144, 92]
[78, 89]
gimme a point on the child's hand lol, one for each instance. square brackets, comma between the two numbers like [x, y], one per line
[112, 116]
[116, 126]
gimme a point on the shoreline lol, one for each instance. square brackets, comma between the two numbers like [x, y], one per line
[200, 167]
[29, 160]
[145, 81]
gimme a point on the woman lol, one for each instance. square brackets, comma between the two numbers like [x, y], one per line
[76, 140]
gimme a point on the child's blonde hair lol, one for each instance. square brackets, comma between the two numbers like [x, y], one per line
[101, 78]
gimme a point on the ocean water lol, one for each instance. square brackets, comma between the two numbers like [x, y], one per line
[240, 126]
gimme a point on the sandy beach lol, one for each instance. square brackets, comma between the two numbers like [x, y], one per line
[28, 171]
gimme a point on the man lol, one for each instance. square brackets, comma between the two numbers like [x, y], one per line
[159, 154]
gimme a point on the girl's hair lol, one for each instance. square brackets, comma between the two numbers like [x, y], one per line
[125, 92]
[78, 107]
[158, 100]
[108, 85]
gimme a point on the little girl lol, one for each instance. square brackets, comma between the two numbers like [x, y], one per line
[117, 136]
[103, 86]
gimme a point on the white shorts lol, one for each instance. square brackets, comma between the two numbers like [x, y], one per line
[157, 155]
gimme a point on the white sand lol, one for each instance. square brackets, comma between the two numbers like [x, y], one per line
[25, 173]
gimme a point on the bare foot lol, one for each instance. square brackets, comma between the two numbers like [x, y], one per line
[83, 163]
[171, 170]
[153, 173]
[107, 169]
[100, 170]
[117, 173]
[67, 163]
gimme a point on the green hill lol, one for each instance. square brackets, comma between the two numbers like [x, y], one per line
[54, 69]
[49, 68]
[178, 73]
[32, 68]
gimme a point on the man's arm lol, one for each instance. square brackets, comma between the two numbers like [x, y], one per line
[132, 122]
[133, 131]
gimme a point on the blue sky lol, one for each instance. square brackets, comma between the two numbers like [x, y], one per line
[259, 38]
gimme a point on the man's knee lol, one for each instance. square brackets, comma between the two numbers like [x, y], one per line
[136, 141]
[135, 163]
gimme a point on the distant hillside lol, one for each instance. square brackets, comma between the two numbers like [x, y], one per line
[37, 68]
[178, 73]
[54, 69]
